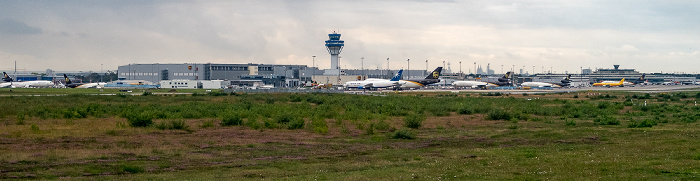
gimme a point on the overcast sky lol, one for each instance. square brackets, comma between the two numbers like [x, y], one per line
[650, 36]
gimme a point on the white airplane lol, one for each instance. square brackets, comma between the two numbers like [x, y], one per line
[483, 85]
[70, 84]
[539, 84]
[24, 84]
[564, 82]
[473, 84]
[433, 77]
[375, 83]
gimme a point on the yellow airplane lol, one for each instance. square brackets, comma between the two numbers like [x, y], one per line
[619, 84]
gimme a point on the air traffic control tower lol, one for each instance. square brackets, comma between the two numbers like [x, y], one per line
[334, 46]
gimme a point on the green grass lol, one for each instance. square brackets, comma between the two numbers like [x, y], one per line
[349, 137]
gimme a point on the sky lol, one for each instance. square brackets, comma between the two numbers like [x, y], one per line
[561, 36]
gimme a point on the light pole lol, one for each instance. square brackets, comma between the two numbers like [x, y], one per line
[533, 70]
[101, 72]
[388, 70]
[581, 77]
[502, 69]
[426, 68]
[513, 69]
[408, 67]
[475, 70]
[363, 66]
[460, 68]
[313, 64]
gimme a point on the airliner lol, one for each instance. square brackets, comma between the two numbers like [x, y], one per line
[375, 83]
[483, 85]
[640, 80]
[432, 78]
[564, 82]
[25, 84]
[82, 85]
[618, 84]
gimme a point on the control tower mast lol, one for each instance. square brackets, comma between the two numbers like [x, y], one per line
[334, 46]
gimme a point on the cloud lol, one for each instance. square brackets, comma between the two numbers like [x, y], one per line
[12, 27]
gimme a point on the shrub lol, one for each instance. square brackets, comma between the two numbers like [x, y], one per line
[606, 120]
[284, 118]
[570, 123]
[319, 125]
[253, 123]
[147, 93]
[413, 120]
[296, 123]
[179, 124]
[403, 134]
[207, 124]
[468, 110]
[132, 169]
[231, 120]
[646, 123]
[162, 125]
[35, 129]
[499, 114]
[142, 119]
[382, 125]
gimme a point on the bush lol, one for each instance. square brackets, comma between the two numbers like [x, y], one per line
[414, 121]
[142, 119]
[319, 125]
[296, 123]
[207, 124]
[570, 123]
[403, 134]
[132, 169]
[231, 120]
[382, 125]
[606, 120]
[179, 124]
[646, 123]
[253, 123]
[35, 129]
[498, 114]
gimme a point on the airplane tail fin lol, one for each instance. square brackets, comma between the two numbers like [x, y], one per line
[67, 79]
[622, 81]
[505, 78]
[435, 74]
[6, 77]
[567, 79]
[398, 76]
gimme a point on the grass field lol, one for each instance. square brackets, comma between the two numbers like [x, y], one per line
[424, 136]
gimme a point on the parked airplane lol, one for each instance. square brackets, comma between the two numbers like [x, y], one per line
[564, 83]
[432, 78]
[641, 79]
[483, 85]
[618, 84]
[25, 84]
[70, 84]
[375, 83]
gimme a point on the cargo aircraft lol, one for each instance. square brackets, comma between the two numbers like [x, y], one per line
[564, 83]
[604, 84]
[433, 77]
[70, 84]
[24, 84]
[484, 85]
[375, 83]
